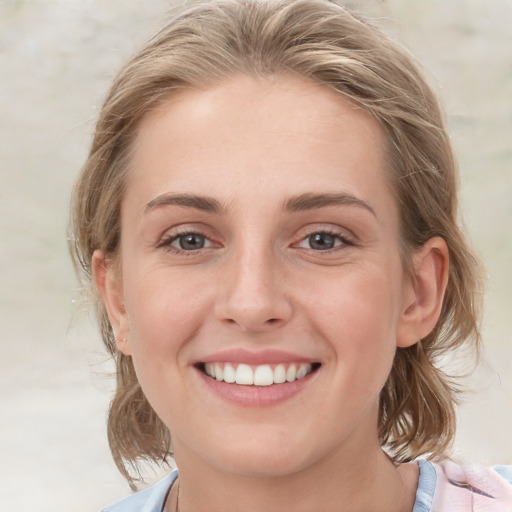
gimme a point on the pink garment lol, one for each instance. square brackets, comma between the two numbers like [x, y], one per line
[470, 489]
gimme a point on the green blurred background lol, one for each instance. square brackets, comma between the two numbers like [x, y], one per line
[57, 59]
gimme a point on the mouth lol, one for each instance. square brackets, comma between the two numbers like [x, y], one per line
[257, 375]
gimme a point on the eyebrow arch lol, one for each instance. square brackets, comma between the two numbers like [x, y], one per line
[307, 201]
[206, 204]
[310, 201]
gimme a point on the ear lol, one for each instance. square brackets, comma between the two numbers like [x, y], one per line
[108, 281]
[424, 292]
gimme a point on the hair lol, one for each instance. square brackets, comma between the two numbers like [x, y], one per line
[210, 42]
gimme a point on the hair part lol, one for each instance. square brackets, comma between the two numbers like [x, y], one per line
[321, 41]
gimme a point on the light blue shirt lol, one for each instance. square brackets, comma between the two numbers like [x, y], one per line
[153, 498]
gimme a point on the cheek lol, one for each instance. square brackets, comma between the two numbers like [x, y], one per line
[164, 311]
[357, 312]
[164, 315]
[354, 301]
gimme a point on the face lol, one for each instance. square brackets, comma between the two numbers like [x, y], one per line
[261, 292]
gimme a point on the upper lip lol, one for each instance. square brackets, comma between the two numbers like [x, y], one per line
[242, 356]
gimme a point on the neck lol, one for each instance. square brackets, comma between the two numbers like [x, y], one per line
[367, 483]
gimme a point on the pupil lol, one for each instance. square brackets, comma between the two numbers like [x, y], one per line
[321, 241]
[191, 242]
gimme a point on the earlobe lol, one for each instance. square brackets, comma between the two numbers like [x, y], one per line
[425, 292]
[109, 285]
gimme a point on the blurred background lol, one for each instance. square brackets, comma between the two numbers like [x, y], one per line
[57, 58]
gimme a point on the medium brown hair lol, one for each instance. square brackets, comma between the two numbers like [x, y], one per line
[317, 39]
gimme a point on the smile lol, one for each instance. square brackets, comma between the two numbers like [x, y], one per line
[261, 375]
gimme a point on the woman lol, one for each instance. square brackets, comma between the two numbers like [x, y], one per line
[269, 215]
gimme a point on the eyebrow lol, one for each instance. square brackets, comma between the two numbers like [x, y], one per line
[302, 202]
[206, 204]
[311, 201]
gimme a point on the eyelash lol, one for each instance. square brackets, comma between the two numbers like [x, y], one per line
[167, 241]
[345, 241]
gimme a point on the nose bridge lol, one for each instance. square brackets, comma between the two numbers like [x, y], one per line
[254, 298]
[254, 273]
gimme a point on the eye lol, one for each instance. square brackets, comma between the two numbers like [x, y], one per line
[323, 241]
[186, 242]
[190, 241]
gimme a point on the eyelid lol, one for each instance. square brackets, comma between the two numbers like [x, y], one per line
[207, 241]
[340, 242]
[343, 234]
[173, 234]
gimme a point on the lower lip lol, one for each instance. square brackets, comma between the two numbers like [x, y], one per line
[256, 396]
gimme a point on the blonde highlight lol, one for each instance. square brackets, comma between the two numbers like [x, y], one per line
[324, 42]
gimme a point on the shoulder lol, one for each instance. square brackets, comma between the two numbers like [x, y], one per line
[451, 487]
[151, 499]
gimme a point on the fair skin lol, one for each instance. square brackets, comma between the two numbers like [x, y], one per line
[258, 228]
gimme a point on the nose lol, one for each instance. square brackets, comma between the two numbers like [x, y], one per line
[253, 296]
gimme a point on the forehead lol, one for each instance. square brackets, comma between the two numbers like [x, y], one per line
[271, 136]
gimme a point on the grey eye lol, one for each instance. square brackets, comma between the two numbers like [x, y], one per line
[322, 241]
[190, 241]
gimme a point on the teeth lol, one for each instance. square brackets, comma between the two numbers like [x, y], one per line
[280, 374]
[208, 370]
[302, 372]
[229, 374]
[291, 373]
[262, 375]
[244, 375]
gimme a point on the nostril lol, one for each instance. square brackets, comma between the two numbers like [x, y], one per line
[270, 321]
